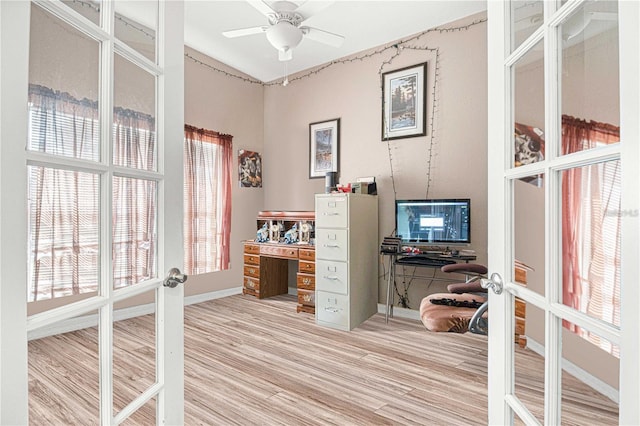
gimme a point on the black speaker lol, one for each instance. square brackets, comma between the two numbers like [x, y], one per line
[330, 182]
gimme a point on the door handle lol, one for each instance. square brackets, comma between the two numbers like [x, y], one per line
[494, 283]
[174, 278]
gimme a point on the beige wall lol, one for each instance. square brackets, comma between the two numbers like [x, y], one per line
[351, 92]
[231, 106]
[589, 91]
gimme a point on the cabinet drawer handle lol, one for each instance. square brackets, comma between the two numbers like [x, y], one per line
[332, 245]
[330, 214]
[253, 271]
[330, 278]
[333, 310]
[306, 281]
[306, 298]
[250, 284]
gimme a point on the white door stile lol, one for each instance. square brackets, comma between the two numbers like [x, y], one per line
[629, 27]
[553, 202]
[499, 356]
[14, 59]
[105, 313]
[170, 316]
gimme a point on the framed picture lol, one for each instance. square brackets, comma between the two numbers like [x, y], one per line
[404, 112]
[249, 169]
[324, 140]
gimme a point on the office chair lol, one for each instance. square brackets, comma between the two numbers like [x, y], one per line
[464, 308]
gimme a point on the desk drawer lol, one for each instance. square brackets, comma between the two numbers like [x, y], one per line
[332, 276]
[252, 284]
[307, 267]
[332, 244]
[252, 271]
[306, 282]
[252, 259]
[306, 297]
[331, 212]
[332, 308]
[307, 254]
[251, 248]
[274, 251]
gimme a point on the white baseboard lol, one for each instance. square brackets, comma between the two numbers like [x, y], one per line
[86, 321]
[219, 294]
[400, 312]
[580, 374]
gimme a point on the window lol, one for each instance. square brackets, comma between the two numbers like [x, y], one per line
[207, 200]
[64, 204]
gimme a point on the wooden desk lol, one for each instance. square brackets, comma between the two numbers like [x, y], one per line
[266, 271]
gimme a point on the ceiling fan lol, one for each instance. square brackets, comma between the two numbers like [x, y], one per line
[286, 30]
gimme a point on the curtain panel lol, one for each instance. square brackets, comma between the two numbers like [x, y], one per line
[207, 200]
[591, 227]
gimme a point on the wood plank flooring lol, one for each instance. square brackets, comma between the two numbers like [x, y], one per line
[250, 361]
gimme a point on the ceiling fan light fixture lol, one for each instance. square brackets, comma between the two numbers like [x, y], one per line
[284, 36]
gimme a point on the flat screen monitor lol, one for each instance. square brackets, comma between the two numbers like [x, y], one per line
[445, 221]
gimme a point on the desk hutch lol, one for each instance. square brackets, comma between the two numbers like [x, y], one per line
[266, 264]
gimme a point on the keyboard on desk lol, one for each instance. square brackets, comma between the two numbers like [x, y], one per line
[424, 261]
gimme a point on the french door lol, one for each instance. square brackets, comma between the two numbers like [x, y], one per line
[553, 64]
[122, 59]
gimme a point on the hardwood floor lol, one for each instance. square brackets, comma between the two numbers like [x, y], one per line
[250, 361]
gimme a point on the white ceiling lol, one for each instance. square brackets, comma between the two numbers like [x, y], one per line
[364, 24]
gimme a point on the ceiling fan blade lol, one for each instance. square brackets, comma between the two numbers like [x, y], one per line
[323, 36]
[285, 55]
[310, 8]
[262, 7]
[244, 31]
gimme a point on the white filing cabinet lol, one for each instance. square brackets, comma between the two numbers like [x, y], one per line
[346, 259]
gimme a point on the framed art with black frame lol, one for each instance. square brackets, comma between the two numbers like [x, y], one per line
[324, 144]
[404, 94]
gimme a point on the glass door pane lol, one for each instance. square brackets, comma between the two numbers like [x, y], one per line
[136, 23]
[591, 237]
[526, 17]
[63, 89]
[134, 231]
[590, 94]
[134, 117]
[528, 109]
[90, 9]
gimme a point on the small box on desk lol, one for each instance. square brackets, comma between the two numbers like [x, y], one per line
[364, 188]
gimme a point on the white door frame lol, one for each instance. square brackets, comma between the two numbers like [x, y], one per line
[14, 58]
[502, 399]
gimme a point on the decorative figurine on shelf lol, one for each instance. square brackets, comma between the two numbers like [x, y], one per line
[305, 232]
[275, 231]
[262, 236]
[291, 236]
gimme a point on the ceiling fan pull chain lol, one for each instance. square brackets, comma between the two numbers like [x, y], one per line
[285, 82]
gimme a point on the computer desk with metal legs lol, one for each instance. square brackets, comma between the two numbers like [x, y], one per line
[397, 259]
